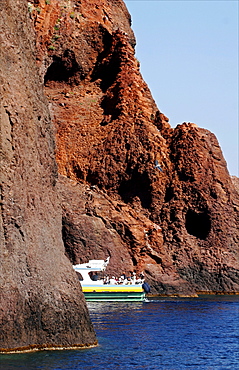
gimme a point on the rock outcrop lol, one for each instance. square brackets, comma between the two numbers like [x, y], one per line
[41, 303]
[235, 181]
[178, 224]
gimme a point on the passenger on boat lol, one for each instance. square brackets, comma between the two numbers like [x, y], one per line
[113, 281]
[129, 281]
[124, 280]
[141, 276]
[133, 277]
[94, 277]
[106, 279]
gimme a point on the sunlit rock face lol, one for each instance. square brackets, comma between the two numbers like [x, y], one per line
[41, 303]
[178, 225]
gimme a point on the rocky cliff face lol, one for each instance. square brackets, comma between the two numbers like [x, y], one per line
[179, 225]
[41, 303]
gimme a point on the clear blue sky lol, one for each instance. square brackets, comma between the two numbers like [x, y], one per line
[188, 53]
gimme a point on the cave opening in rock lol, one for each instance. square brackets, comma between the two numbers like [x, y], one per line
[62, 69]
[109, 105]
[110, 72]
[169, 194]
[77, 171]
[108, 65]
[198, 224]
[137, 186]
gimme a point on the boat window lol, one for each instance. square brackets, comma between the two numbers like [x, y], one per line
[94, 276]
[79, 276]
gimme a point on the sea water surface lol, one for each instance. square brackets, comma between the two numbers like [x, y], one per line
[162, 334]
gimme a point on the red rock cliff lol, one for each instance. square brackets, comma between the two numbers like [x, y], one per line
[179, 225]
[41, 303]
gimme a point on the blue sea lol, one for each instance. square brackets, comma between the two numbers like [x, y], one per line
[161, 334]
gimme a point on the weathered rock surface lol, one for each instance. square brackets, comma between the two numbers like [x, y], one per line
[180, 225]
[235, 181]
[41, 303]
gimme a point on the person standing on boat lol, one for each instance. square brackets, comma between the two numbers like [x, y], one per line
[133, 277]
[113, 281]
[94, 277]
[141, 275]
[106, 279]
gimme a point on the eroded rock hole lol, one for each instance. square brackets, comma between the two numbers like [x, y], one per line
[169, 194]
[109, 105]
[77, 171]
[198, 224]
[137, 186]
[93, 178]
[109, 72]
[64, 69]
[186, 176]
[108, 64]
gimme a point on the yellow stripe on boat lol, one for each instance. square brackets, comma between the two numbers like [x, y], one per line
[115, 288]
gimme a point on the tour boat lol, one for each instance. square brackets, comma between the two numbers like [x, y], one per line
[96, 289]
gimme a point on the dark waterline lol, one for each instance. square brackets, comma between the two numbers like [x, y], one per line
[162, 334]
